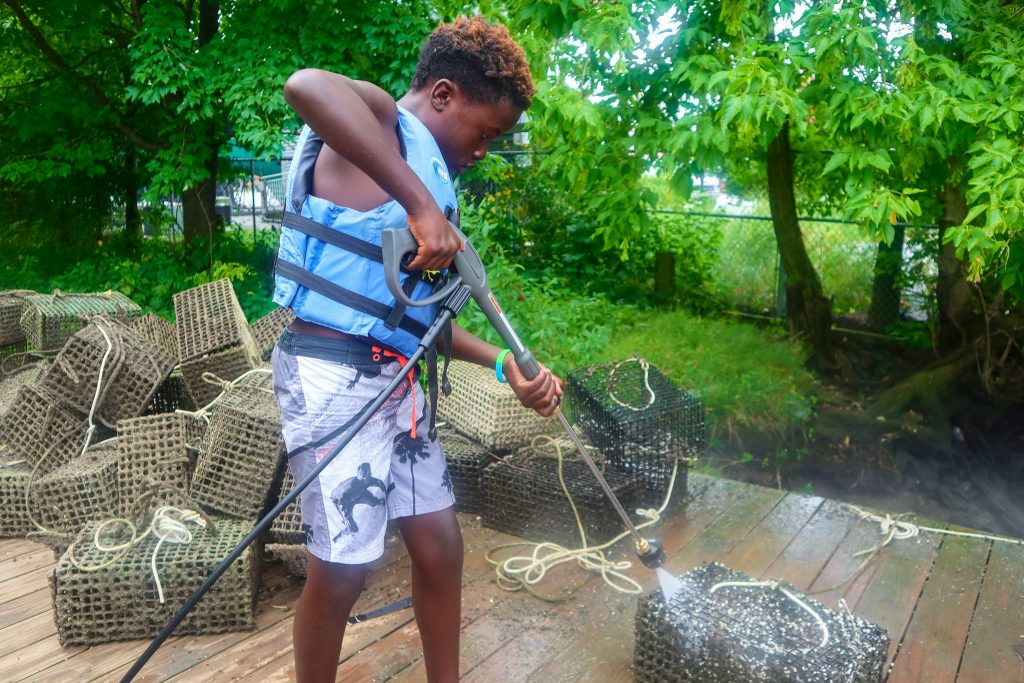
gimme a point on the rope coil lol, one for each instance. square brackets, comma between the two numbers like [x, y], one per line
[776, 586]
[523, 572]
[646, 368]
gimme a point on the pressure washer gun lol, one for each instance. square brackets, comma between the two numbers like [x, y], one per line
[468, 270]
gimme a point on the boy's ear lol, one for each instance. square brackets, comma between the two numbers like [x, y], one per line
[441, 93]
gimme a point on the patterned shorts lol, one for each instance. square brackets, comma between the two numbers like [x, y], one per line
[388, 470]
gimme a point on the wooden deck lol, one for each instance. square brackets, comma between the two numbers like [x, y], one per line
[953, 606]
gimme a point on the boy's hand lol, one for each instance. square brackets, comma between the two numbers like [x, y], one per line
[438, 242]
[543, 393]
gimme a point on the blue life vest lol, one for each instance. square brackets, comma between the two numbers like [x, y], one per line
[329, 267]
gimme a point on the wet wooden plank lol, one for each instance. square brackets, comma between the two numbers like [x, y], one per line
[898, 575]
[528, 650]
[772, 535]
[994, 648]
[995, 642]
[13, 547]
[804, 558]
[604, 650]
[934, 639]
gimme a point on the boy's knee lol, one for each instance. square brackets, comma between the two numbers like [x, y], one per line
[333, 583]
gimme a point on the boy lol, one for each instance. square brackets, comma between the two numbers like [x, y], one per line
[365, 163]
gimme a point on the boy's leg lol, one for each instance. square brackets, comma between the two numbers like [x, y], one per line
[434, 541]
[321, 615]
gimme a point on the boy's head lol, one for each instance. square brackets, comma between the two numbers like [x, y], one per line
[475, 80]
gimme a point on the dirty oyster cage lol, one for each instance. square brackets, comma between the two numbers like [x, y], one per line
[120, 601]
[750, 633]
[79, 491]
[127, 369]
[49, 320]
[523, 496]
[640, 420]
[467, 460]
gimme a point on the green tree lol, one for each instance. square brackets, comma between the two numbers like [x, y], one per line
[145, 94]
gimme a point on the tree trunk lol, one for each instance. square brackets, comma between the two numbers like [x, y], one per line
[808, 311]
[664, 277]
[885, 290]
[132, 218]
[955, 299]
[198, 202]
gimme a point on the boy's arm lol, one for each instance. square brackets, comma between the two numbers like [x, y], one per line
[543, 393]
[351, 118]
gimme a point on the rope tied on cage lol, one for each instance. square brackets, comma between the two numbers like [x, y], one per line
[167, 525]
[775, 585]
[523, 572]
[646, 368]
[41, 357]
[226, 386]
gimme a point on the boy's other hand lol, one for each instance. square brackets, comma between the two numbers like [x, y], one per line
[543, 393]
[438, 242]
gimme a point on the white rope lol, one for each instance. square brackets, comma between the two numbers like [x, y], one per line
[775, 584]
[226, 386]
[524, 571]
[168, 524]
[895, 528]
[99, 387]
[647, 384]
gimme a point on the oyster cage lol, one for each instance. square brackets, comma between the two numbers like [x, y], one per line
[15, 473]
[156, 455]
[238, 463]
[467, 460]
[77, 492]
[120, 601]
[128, 369]
[487, 411]
[523, 496]
[286, 529]
[49, 320]
[750, 633]
[640, 420]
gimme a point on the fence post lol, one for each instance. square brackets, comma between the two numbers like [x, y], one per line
[780, 286]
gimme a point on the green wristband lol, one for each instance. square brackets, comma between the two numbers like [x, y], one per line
[498, 369]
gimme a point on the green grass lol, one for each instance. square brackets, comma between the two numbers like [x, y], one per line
[750, 379]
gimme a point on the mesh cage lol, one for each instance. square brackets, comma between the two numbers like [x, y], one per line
[171, 395]
[13, 381]
[211, 320]
[224, 365]
[14, 478]
[38, 428]
[120, 601]
[49, 320]
[159, 331]
[489, 412]
[157, 453]
[12, 305]
[77, 492]
[523, 496]
[467, 461]
[267, 330]
[287, 527]
[743, 633]
[133, 371]
[640, 420]
[293, 556]
[252, 390]
[238, 462]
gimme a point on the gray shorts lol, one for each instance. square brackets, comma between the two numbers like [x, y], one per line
[384, 472]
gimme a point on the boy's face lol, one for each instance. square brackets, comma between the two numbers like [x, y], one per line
[466, 128]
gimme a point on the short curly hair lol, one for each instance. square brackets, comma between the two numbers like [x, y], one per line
[482, 58]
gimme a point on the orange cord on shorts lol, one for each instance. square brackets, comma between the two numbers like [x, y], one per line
[402, 361]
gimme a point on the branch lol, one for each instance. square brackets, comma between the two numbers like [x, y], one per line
[97, 94]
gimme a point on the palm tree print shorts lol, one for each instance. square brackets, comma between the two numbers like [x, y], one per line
[389, 470]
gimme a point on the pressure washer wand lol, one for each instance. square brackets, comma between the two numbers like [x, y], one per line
[399, 246]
